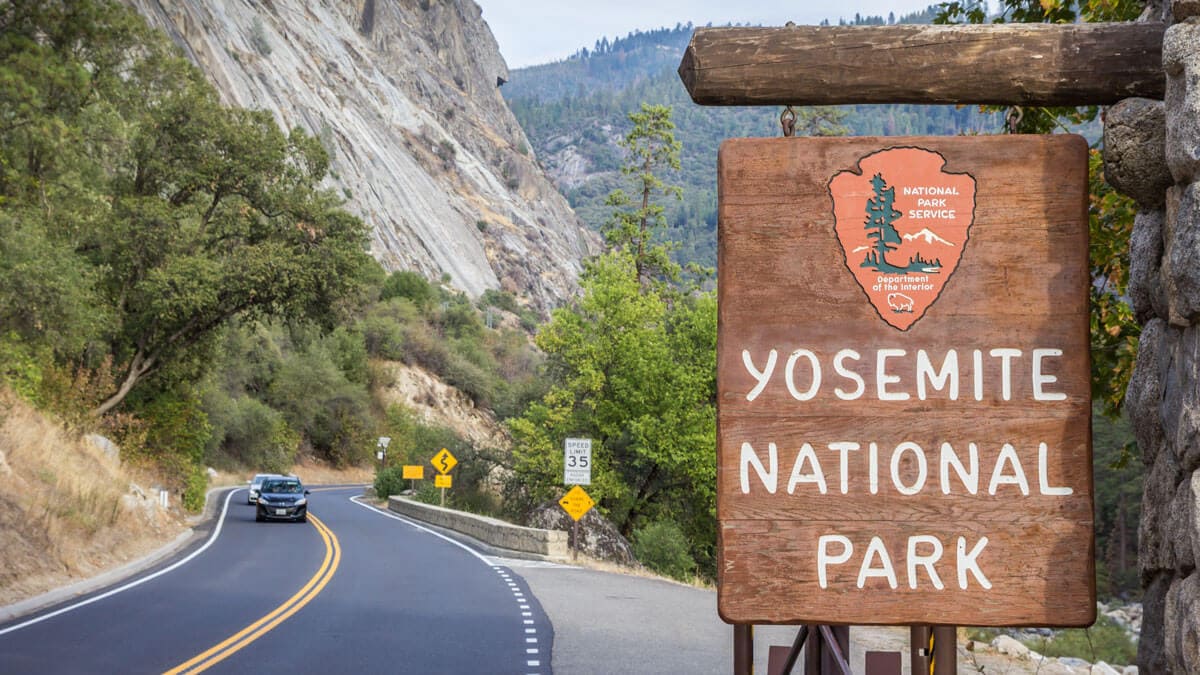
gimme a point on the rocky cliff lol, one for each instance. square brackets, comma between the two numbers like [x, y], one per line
[404, 96]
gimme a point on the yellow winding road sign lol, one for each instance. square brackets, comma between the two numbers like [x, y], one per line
[444, 461]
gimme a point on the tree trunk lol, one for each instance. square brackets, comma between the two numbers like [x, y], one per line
[137, 369]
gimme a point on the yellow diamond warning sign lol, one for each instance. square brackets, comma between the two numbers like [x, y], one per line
[444, 461]
[576, 502]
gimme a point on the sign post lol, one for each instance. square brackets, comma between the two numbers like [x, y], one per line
[443, 461]
[381, 454]
[577, 461]
[903, 382]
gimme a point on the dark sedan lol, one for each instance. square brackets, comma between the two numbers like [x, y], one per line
[282, 498]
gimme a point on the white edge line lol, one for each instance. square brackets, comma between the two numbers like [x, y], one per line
[402, 519]
[120, 589]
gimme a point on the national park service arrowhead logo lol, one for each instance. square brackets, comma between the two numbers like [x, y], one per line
[903, 223]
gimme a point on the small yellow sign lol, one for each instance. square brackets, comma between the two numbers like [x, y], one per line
[576, 502]
[444, 461]
[414, 472]
[442, 481]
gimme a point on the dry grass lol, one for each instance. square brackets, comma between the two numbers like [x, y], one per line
[67, 510]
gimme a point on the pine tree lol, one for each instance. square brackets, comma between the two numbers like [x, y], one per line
[880, 216]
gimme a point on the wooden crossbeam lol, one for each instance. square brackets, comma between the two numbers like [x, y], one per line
[1007, 64]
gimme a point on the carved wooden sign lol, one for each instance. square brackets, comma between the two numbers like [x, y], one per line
[903, 381]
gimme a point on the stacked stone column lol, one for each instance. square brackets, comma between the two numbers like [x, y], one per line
[1152, 154]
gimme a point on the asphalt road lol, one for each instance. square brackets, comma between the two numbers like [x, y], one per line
[362, 590]
[354, 590]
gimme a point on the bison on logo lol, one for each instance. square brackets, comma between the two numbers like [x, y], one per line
[903, 223]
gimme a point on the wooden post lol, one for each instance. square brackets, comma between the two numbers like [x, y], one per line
[918, 657]
[743, 649]
[1019, 64]
[945, 650]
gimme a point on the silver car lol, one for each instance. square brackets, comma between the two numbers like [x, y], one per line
[256, 486]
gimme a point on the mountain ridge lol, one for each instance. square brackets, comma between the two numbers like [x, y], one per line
[404, 97]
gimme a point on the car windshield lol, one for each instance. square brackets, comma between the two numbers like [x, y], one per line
[281, 487]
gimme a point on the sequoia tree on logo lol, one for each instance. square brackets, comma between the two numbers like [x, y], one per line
[880, 216]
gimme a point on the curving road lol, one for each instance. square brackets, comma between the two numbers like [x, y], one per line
[354, 590]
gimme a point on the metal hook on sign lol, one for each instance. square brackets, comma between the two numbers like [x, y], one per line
[1015, 114]
[787, 120]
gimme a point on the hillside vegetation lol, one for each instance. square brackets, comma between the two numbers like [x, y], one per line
[574, 113]
[174, 276]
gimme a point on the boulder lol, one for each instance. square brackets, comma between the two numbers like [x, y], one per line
[1182, 623]
[1181, 253]
[599, 537]
[1181, 61]
[1010, 646]
[110, 449]
[1134, 146]
[1145, 391]
[1182, 10]
[1146, 293]
[1152, 656]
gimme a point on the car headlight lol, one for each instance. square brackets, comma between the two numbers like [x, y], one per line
[301, 502]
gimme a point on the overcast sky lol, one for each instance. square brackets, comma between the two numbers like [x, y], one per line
[531, 32]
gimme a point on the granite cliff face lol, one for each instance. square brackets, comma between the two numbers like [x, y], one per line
[404, 95]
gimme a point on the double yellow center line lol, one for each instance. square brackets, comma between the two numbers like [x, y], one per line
[235, 642]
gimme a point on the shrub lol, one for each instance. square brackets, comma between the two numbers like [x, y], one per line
[256, 435]
[428, 494]
[499, 299]
[410, 285]
[662, 547]
[1104, 641]
[20, 366]
[469, 379]
[390, 481]
[195, 488]
[349, 351]
[460, 320]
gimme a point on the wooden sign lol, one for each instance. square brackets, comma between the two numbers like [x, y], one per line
[903, 381]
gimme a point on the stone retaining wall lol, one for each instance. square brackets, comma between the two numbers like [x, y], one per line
[1152, 153]
[551, 544]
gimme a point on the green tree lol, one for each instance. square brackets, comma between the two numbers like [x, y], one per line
[633, 365]
[181, 213]
[651, 148]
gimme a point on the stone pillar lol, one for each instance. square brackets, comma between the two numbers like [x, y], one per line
[1152, 154]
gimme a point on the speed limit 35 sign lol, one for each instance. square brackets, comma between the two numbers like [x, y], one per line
[577, 461]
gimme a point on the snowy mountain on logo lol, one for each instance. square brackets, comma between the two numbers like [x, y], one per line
[928, 236]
